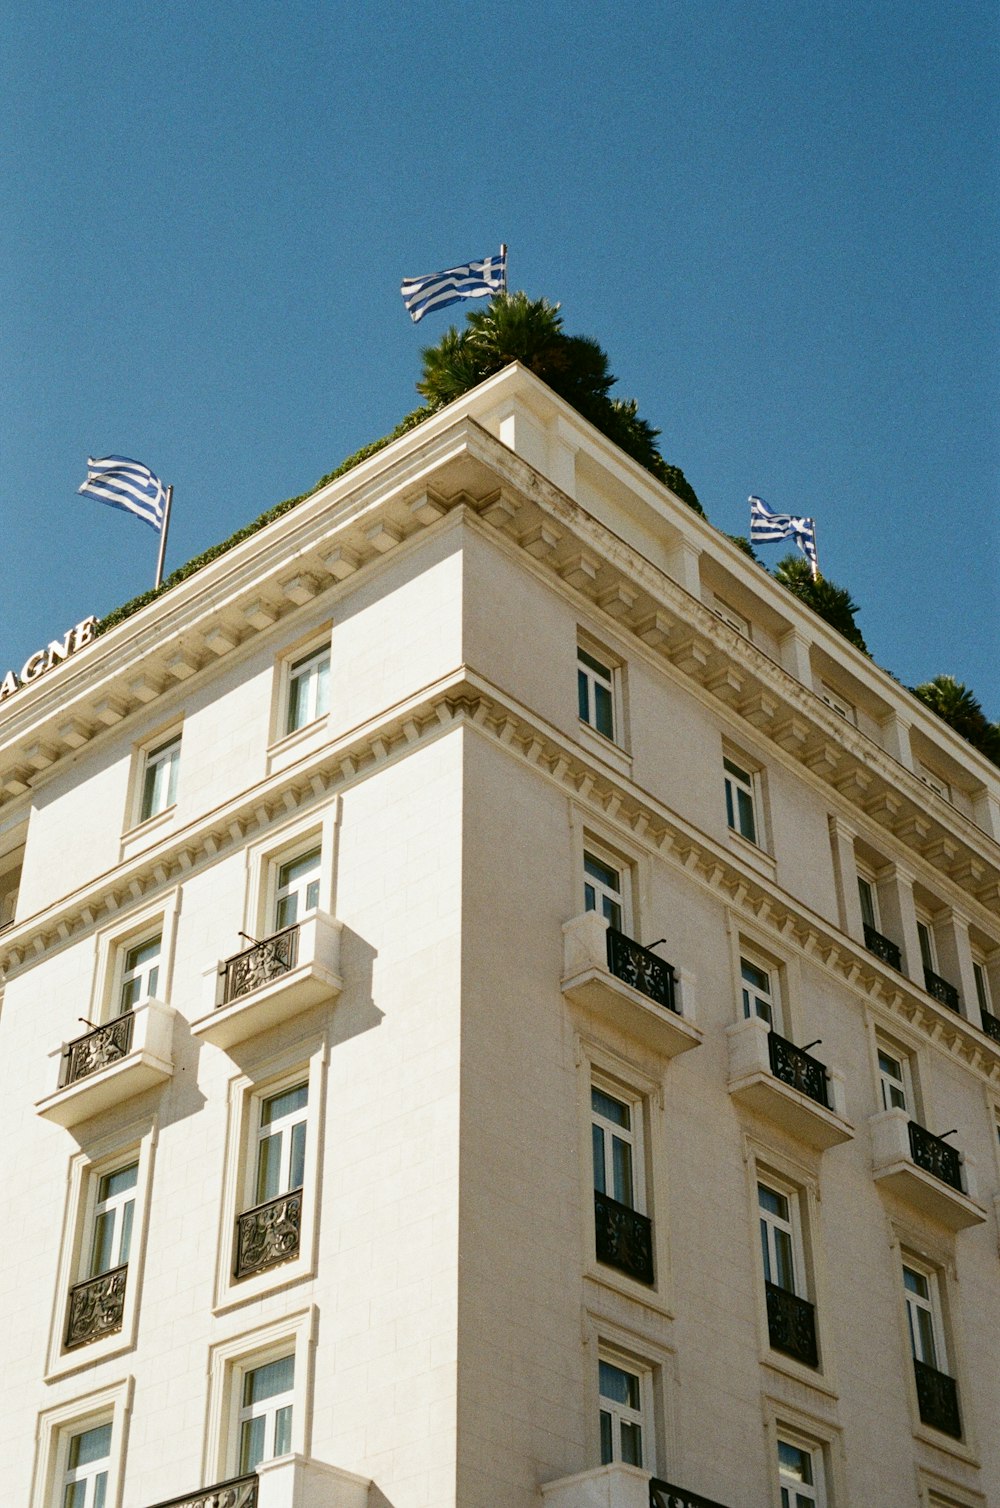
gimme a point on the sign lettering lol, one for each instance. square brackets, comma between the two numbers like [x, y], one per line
[43, 659]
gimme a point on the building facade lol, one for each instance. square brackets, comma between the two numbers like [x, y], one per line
[501, 1006]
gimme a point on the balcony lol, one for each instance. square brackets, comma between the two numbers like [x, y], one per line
[624, 1238]
[940, 989]
[617, 980]
[95, 1308]
[883, 948]
[924, 1171]
[286, 1482]
[271, 981]
[791, 1325]
[937, 1399]
[779, 1081]
[268, 1235]
[619, 1486]
[111, 1064]
[991, 1025]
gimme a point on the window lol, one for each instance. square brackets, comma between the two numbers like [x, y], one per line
[595, 684]
[308, 689]
[868, 897]
[159, 778]
[740, 803]
[269, 1229]
[837, 703]
[937, 1392]
[732, 617]
[140, 975]
[281, 1143]
[614, 1147]
[922, 1318]
[759, 994]
[894, 1080]
[114, 1210]
[981, 977]
[603, 890]
[265, 1415]
[800, 1475]
[935, 782]
[791, 1318]
[777, 1237]
[927, 954]
[88, 1460]
[297, 889]
[622, 1421]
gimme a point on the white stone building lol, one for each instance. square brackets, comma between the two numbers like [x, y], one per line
[501, 1008]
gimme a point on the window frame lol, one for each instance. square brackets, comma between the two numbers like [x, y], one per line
[738, 780]
[58, 1425]
[927, 941]
[320, 658]
[601, 855]
[642, 1372]
[814, 1450]
[615, 681]
[265, 859]
[635, 1140]
[732, 617]
[837, 702]
[931, 1307]
[230, 1361]
[772, 996]
[798, 1180]
[151, 762]
[792, 1227]
[115, 941]
[898, 1052]
[247, 1413]
[870, 887]
[284, 741]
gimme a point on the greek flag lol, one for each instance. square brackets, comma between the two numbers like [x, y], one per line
[766, 526]
[438, 289]
[126, 484]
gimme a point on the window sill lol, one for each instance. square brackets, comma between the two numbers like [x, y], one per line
[810, 1377]
[601, 1282]
[752, 853]
[145, 832]
[283, 1275]
[605, 748]
[285, 750]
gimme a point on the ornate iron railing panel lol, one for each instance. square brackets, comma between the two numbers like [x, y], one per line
[624, 1238]
[796, 1068]
[96, 1049]
[883, 948]
[95, 1308]
[268, 1234]
[238, 1492]
[645, 971]
[666, 1495]
[935, 1156]
[259, 964]
[791, 1325]
[941, 990]
[937, 1397]
[991, 1025]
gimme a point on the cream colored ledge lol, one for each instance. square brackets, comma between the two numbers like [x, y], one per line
[753, 1083]
[589, 983]
[893, 1168]
[148, 1062]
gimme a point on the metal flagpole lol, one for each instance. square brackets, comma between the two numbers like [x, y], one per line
[503, 254]
[815, 561]
[163, 538]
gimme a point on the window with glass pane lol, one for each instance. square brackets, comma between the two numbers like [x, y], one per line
[613, 1144]
[265, 1418]
[982, 986]
[281, 1144]
[308, 689]
[926, 936]
[892, 1080]
[113, 1214]
[869, 907]
[758, 996]
[140, 975]
[602, 890]
[777, 1237]
[740, 801]
[85, 1482]
[298, 889]
[595, 689]
[621, 1415]
[798, 1474]
[159, 781]
[920, 1303]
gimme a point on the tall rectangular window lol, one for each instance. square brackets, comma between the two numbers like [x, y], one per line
[928, 956]
[895, 1083]
[85, 1479]
[265, 1415]
[622, 1422]
[308, 689]
[740, 801]
[140, 975]
[297, 889]
[777, 1237]
[613, 1140]
[603, 890]
[114, 1210]
[596, 693]
[281, 1143]
[759, 994]
[159, 778]
[800, 1475]
[981, 977]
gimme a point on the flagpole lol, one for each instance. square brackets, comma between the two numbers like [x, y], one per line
[503, 254]
[815, 562]
[163, 538]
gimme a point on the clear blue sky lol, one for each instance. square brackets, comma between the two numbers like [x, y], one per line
[778, 216]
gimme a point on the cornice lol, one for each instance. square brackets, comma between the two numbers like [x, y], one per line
[464, 699]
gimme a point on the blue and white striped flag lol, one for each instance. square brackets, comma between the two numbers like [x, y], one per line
[438, 289]
[766, 526]
[126, 484]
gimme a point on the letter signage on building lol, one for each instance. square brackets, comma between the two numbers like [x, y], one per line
[43, 659]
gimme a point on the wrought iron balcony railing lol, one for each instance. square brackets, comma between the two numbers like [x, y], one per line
[645, 971]
[794, 1067]
[95, 1308]
[941, 990]
[97, 1048]
[666, 1495]
[259, 964]
[791, 1325]
[937, 1398]
[238, 1492]
[268, 1234]
[935, 1156]
[624, 1238]
[883, 947]
[991, 1025]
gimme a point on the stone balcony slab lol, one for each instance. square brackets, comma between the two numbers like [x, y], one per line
[894, 1167]
[272, 981]
[754, 1083]
[589, 983]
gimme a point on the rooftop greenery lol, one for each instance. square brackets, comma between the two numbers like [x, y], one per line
[512, 327]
